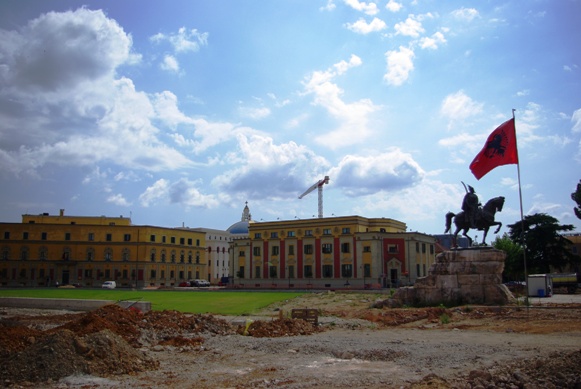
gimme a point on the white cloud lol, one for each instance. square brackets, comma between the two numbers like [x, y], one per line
[459, 106]
[184, 192]
[368, 8]
[433, 41]
[576, 119]
[364, 175]
[399, 65]
[184, 41]
[393, 6]
[465, 14]
[286, 168]
[255, 113]
[353, 118]
[329, 6]
[170, 63]
[411, 27]
[118, 199]
[63, 104]
[362, 27]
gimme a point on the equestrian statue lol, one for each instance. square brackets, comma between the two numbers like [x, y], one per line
[474, 216]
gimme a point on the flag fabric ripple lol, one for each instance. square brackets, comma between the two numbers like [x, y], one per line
[499, 149]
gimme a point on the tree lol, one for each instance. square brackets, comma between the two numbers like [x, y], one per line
[576, 197]
[514, 261]
[545, 247]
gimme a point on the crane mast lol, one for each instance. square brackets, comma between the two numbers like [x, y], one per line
[318, 185]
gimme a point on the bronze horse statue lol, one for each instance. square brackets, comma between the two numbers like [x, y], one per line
[484, 219]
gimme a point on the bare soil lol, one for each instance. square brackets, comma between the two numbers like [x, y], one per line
[354, 345]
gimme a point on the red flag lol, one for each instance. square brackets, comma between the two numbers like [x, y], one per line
[499, 149]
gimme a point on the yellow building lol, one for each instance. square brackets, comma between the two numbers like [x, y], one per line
[332, 252]
[46, 249]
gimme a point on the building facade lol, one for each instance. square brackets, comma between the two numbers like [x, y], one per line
[217, 254]
[46, 249]
[333, 252]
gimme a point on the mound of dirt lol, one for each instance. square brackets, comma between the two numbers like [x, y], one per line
[63, 353]
[277, 328]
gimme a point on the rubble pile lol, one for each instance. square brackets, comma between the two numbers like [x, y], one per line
[277, 328]
[391, 318]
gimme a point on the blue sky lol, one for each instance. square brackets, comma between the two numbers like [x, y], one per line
[177, 113]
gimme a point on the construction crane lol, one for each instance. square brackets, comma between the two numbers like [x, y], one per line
[319, 186]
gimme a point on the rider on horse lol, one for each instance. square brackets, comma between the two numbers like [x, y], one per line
[470, 206]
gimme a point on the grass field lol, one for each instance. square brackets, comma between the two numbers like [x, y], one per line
[214, 302]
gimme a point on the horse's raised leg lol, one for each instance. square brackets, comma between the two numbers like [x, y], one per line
[498, 228]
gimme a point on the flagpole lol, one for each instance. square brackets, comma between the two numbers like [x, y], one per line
[522, 223]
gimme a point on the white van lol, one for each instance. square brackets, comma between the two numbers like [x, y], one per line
[109, 285]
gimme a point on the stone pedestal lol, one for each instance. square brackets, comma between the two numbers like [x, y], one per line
[458, 277]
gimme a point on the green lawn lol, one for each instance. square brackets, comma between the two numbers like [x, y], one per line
[215, 302]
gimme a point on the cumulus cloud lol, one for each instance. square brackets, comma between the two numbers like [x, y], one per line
[465, 14]
[432, 42]
[184, 192]
[393, 6]
[367, 8]
[365, 175]
[118, 199]
[353, 118]
[170, 63]
[399, 65]
[184, 40]
[268, 170]
[459, 106]
[410, 27]
[362, 27]
[62, 103]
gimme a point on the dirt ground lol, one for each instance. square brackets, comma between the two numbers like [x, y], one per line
[354, 345]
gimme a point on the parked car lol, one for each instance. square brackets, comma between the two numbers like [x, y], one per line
[201, 283]
[109, 285]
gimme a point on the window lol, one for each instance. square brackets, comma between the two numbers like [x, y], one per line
[242, 253]
[24, 254]
[326, 231]
[152, 255]
[418, 270]
[345, 247]
[346, 271]
[43, 254]
[346, 230]
[366, 249]
[257, 272]
[127, 237]
[125, 255]
[152, 274]
[90, 254]
[274, 250]
[182, 240]
[163, 239]
[163, 256]
[392, 248]
[327, 271]
[173, 256]
[291, 272]
[308, 232]
[182, 257]
[417, 247]
[189, 257]
[290, 234]
[67, 236]
[273, 235]
[241, 272]
[173, 240]
[91, 237]
[152, 238]
[257, 235]
[327, 248]
[431, 249]
[423, 248]
[367, 270]
[291, 249]
[6, 234]
[272, 271]
[5, 253]
[256, 251]
[44, 236]
[308, 271]
[190, 241]
[308, 249]
[108, 237]
[108, 255]
[25, 235]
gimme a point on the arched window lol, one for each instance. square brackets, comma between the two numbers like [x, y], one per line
[108, 255]
[43, 253]
[152, 255]
[24, 253]
[163, 256]
[90, 254]
[125, 255]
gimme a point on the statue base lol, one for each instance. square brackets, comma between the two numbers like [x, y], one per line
[459, 277]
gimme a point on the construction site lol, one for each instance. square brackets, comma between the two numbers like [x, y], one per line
[355, 341]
